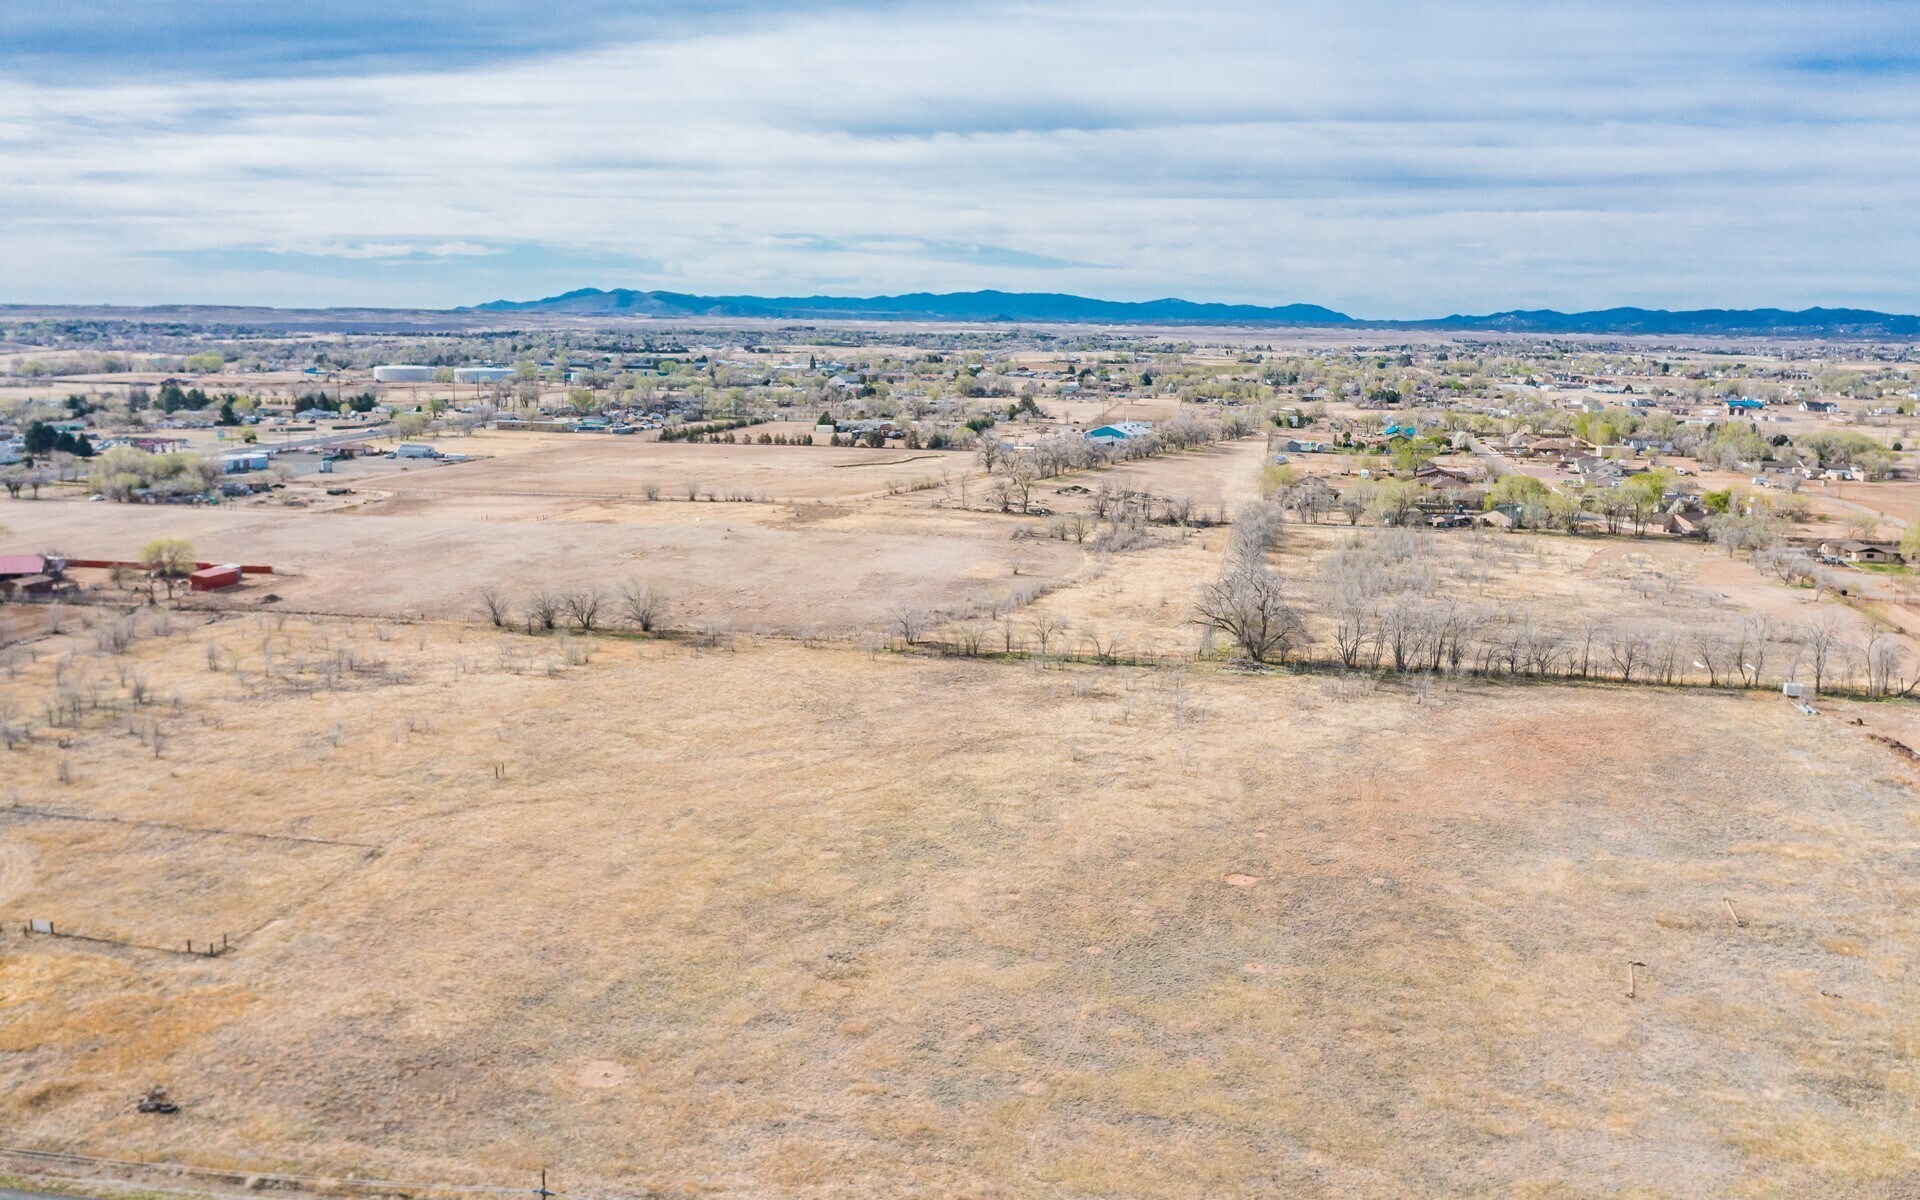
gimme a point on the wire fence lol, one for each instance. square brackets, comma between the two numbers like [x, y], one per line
[254, 1179]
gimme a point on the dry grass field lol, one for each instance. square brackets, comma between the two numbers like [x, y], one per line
[547, 511]
[796, 914]
[777, 920]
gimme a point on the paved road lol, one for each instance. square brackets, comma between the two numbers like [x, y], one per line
[1496, 465]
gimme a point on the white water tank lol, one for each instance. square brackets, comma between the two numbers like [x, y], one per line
[404, 373]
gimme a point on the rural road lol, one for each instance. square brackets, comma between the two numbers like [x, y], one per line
[1496, 464]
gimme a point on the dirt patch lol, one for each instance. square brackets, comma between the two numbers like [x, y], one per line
[600, 1073]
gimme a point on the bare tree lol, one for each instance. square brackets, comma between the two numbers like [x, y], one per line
[1715, 653]
[1105, 646]
[1353, 625]
[992, 450]
[1593, 631]
[496, 606]
[1884, 658]
[909, 623]
[1823, 641]
[1627, 646]
[643, 605]
[583, 606]
[1256, 527]
[1249, 605]
[1021, 472]
[1047, 627]
[1755, 638]
[543, 609]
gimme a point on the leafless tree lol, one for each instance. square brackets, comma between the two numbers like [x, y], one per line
[1885, 659]
[1592, 631]
[1750, 649]
[992, 449]
[650, 490]
[1021, 472]
[583, 606]
[1354, 622]
[1311, 501]
[496, 606]
[643, 605]
[1715, 654]
[1823, 641]
[1256, 527]
[1666, 654]
[543, 609]
[909, 622]
[1105, 646]
[1249, 605]
[1627, 647]
[1046, 628]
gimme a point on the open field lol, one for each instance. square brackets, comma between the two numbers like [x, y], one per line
[719, 567]
[961, 928]
[603, 467]
[797, 914]
[560, 512]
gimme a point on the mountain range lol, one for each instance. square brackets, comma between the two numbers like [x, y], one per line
[1059, 308]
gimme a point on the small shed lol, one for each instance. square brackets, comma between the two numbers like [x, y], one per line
[212, 579]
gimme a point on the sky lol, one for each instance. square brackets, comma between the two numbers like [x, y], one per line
[1383, 157]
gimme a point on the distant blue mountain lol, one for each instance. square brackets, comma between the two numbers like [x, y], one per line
[1828, 322]
[1058, 308]
[1048, 307]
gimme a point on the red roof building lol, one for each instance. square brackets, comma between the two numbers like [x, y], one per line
[21, 564]
[212, 579]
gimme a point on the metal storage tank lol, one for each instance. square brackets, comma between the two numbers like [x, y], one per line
[404, 373]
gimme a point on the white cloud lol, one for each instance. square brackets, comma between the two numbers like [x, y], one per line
[1401, 160]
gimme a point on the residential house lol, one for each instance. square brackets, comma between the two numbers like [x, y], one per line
[1443, 479]
[1861, 552]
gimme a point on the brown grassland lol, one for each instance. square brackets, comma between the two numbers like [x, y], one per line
[795, 914]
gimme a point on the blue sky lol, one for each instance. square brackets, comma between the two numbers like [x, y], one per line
[1387, 159]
